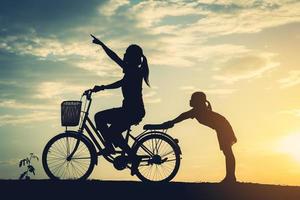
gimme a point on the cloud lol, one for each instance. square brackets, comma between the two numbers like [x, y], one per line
[189, 52]
[150, 97]
[54, 90]
[8, 83]
[150, 13]
[214, 91]
[58, 90]
[184, 44]
[36, 116]
[100, 67]
[178, 44]
[219, 17]
[83, 55]
[295, 112]
[245, 66]
[13, 104]
[111, 6]
[31, 44]
[10, 162]
[152, 101]
[291, 80]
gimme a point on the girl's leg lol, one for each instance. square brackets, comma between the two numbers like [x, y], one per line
[230, 163]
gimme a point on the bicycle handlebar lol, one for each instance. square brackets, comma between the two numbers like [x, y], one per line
[88, 94]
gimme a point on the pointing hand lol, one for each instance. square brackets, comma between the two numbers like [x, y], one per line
[96, 40]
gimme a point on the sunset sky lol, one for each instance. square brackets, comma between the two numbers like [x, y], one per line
[243, 54]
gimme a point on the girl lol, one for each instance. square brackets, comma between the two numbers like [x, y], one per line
[202, 111]
[135, 69]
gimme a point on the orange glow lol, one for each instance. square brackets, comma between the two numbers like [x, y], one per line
[290, 146]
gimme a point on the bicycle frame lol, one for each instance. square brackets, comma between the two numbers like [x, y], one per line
[86, 120]
[141, 153]
[88, 126]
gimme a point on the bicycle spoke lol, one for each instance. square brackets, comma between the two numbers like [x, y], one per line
[77, 166]
[73, 158]
[68, 146]
[162, 164]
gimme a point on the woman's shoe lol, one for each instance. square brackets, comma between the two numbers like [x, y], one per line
[135, 164]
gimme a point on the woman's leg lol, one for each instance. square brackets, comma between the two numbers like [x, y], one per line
[230, 163]
[115, 130]
[102, 119]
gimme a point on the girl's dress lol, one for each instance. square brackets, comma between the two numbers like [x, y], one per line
[225, 133]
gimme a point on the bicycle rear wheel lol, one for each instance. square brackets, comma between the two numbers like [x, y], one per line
[57, 162]
[160, 158]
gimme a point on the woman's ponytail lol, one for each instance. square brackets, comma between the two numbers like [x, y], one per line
[145, 70]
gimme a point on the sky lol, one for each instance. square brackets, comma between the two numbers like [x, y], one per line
[243, 54]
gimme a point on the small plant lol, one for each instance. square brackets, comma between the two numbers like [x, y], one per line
[30, 169]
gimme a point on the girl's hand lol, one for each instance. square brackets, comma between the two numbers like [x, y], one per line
[96, 40]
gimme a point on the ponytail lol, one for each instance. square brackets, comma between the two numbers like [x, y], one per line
[145, 70]
[208, 105]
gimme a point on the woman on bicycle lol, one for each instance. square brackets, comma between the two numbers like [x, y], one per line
[135, 69]
[202, 111]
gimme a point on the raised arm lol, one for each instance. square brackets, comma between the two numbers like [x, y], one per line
[109, 52]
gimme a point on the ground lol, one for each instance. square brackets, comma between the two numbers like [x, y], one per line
[128, 190]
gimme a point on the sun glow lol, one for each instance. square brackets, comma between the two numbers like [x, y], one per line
[291, 145]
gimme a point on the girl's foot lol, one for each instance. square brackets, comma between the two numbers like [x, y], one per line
[228, 180]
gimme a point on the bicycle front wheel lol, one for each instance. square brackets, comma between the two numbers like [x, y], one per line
[68, 156]
[160, 158]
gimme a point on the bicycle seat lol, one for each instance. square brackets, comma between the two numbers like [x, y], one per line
[156, 126]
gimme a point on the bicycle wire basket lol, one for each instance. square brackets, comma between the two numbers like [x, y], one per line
[70, 113]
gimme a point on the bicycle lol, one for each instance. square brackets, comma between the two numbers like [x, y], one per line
[73, 154]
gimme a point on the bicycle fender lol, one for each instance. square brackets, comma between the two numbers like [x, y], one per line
[84, 137]
[144, 134]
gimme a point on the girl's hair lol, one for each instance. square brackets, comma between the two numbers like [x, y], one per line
[208, 105]
[145, 70]
[201, 97]
[144, 65]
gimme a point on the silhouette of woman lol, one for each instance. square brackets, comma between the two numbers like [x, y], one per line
[202, 111]
[135, 69]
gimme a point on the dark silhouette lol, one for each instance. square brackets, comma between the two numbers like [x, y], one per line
[135, 69]
[30, 169]
[153, 157]
[135, 190]
[73, 154]
[202, 111]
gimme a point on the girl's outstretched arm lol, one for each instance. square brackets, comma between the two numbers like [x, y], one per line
[109, 52]
[183, 116]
